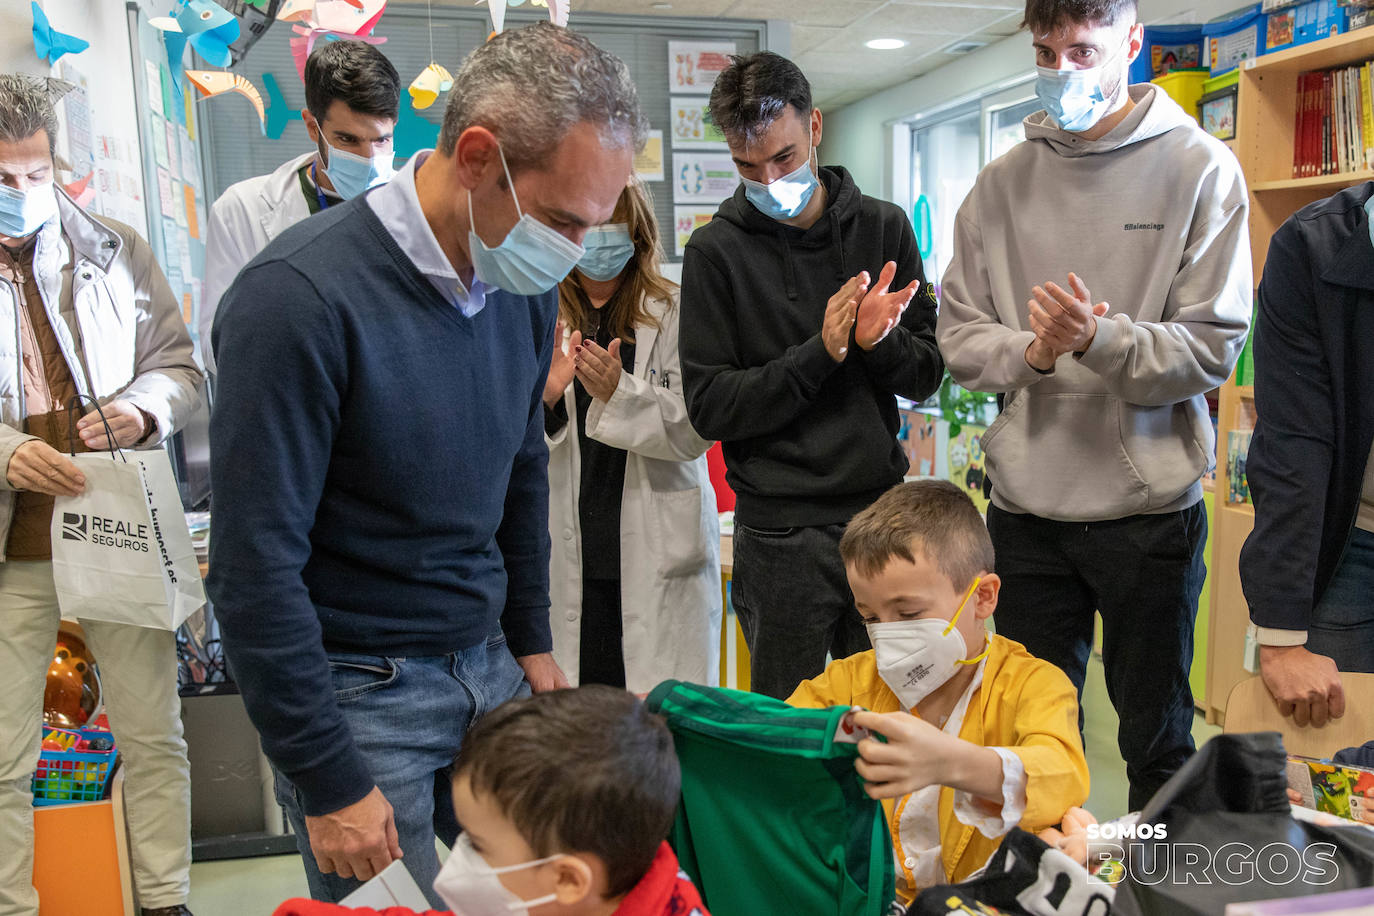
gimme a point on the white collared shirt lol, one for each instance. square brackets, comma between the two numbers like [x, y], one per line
[397, 205]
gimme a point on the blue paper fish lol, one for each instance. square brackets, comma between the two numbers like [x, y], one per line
[209, 28]
[277, 113]
[51, 44]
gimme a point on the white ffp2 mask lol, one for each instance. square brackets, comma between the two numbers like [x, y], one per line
[914, 657]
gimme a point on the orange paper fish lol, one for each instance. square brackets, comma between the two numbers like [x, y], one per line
[215, 82]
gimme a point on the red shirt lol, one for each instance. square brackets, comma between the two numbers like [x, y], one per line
[665, 890]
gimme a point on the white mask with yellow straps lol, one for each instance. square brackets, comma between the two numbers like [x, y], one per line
[915, 657]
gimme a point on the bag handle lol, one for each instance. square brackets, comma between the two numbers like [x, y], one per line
[72, 407]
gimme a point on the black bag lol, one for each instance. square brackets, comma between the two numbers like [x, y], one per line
[1231, 837]
[1220, 831]
[1024, 876]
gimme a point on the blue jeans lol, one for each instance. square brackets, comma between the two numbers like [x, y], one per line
[408, 717]
[1342, 624]
[1143, 574]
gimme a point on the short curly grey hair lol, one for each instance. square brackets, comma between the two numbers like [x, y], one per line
[530, 86]
[26, 107]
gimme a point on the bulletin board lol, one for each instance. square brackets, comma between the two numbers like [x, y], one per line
[173, 176]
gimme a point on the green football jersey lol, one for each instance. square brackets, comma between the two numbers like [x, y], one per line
[773, 816]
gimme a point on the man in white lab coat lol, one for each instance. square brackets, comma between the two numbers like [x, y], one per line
[352, 96]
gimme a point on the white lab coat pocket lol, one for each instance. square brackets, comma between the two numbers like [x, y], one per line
[676, 537]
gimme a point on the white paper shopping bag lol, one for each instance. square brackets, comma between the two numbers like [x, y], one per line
[121, 551]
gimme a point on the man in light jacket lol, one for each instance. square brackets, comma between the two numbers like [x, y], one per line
[84, 311]
[352, 96]
[1096, 458]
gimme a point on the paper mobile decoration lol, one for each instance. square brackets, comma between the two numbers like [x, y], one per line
[81, 190]
[277, 113]
[296, 10]
[209, 27]
[216, 82]
[558, 12]
[413, 133]
[348, 18]
[425, 88]
[304, 42]
[51, 44]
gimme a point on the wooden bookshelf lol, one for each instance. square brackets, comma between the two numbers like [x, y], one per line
[1266, 108]
[1328, 183]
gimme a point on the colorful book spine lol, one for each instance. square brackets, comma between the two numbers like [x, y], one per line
[1367, 115]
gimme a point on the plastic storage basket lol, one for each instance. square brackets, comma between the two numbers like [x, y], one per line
[1234, 38]
[1168, 48]
[64, 777]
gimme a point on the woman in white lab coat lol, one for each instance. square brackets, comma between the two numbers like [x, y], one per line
[635, 568]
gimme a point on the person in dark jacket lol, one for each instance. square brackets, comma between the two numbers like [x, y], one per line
[1308, 567]
[796, 335]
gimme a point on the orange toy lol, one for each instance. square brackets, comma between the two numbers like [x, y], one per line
[72, 691]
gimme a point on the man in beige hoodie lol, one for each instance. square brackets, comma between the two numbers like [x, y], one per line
[1096, 458]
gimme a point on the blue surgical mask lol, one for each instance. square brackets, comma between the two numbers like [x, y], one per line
[1075, 98]
[22, 213]
[1369, 213]
[609, 249]
[532, 258]
[351, 174]
[785, 197]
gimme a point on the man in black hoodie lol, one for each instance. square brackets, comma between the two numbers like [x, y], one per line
[793, 347]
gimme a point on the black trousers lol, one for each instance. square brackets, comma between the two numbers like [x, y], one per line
[601, 648]
[1143, 574]
[792, 597]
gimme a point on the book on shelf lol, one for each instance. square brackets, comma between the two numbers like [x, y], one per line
[1237, 449]
[1333, 121]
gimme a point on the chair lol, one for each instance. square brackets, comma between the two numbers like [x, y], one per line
[1250, 708]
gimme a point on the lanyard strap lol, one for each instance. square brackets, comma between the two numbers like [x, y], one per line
[324, 202]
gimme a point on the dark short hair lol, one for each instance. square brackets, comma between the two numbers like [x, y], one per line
[586, 770]
[1044, 15]
[753, 92]
[933, 516]
[355, 73]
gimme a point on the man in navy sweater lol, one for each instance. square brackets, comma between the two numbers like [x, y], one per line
[380, 559]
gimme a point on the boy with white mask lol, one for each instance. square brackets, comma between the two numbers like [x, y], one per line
[1095, 462]
[566, 799]
[980, 736]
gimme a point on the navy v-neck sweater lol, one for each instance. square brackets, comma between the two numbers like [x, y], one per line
[379, 479]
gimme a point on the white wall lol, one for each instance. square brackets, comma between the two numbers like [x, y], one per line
[106, 63]
[858, 135]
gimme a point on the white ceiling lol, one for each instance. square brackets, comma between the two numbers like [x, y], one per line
[828, 35]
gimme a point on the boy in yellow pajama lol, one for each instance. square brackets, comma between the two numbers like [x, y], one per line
[980, 736]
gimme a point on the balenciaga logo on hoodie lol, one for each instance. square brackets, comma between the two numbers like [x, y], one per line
[1132, 227]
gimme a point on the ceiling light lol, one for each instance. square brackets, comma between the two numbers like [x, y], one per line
[661, 6]
[885, 44]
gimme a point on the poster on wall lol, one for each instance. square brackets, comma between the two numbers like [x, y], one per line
[76, 120]
[703, 178]
[966, 463]
[649, 161]
[694, 65]
[687, 220]
[117, 187]
[691, 128]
